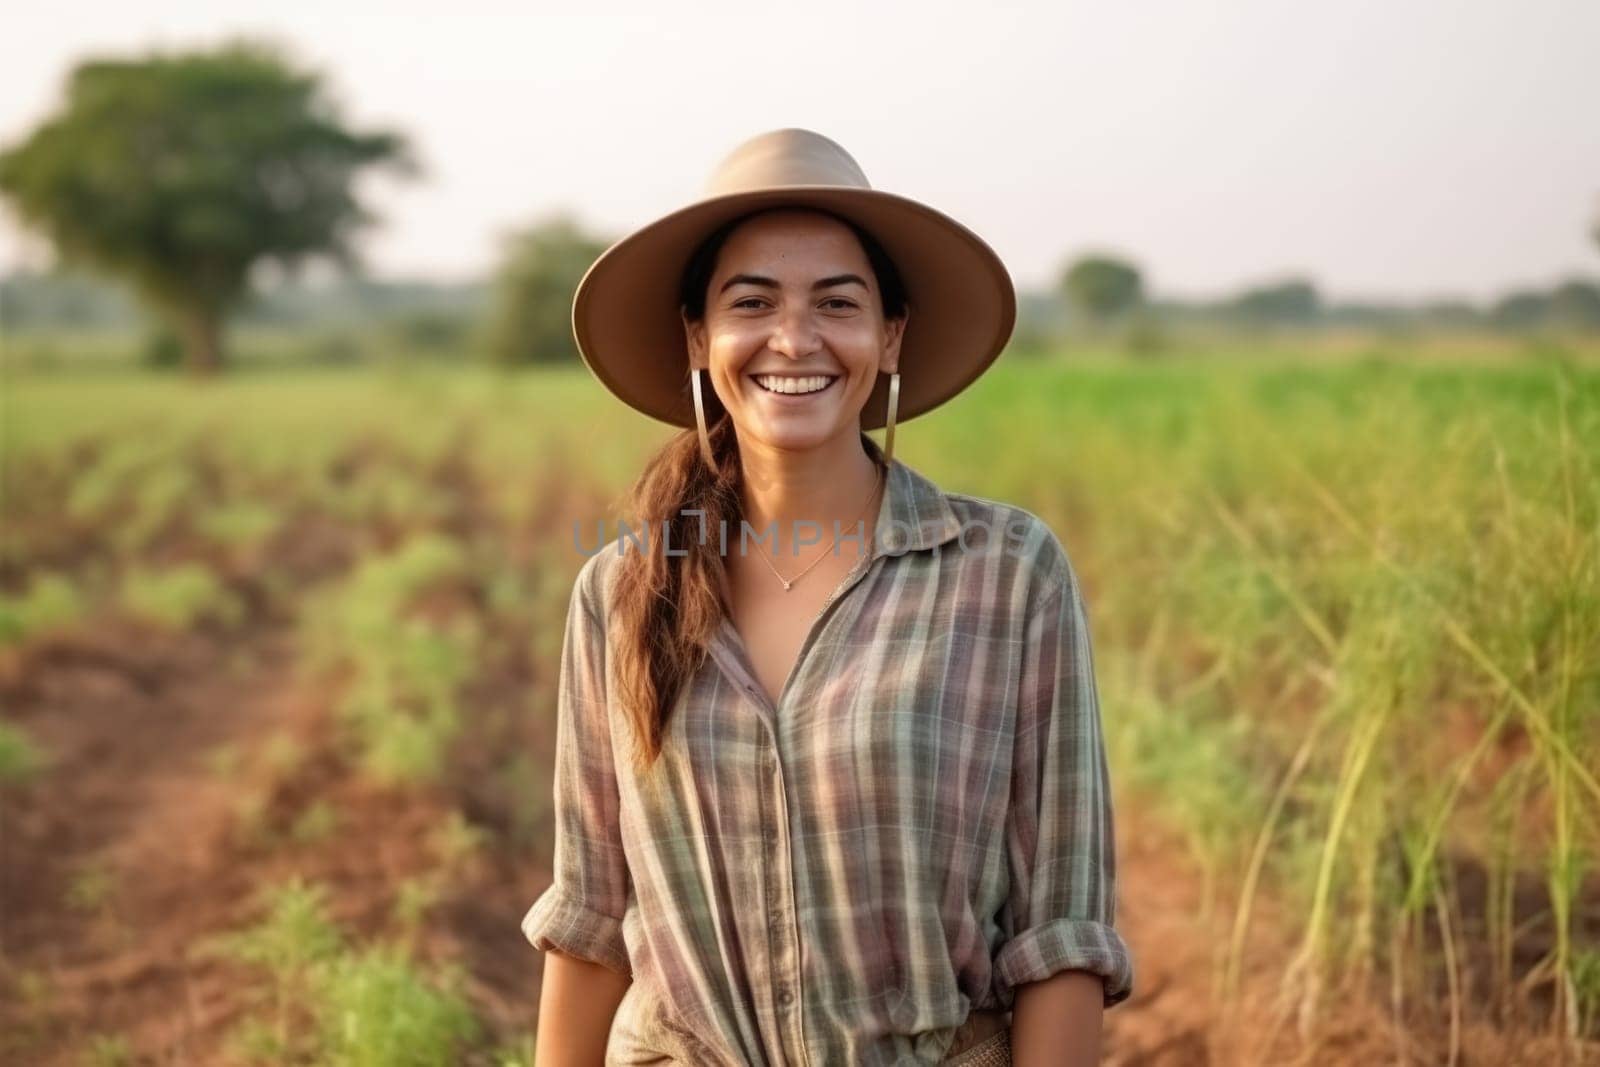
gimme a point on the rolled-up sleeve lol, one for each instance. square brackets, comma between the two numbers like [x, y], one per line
[581, 912]
[1060, 910]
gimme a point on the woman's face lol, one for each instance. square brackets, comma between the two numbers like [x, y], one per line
[793, 333]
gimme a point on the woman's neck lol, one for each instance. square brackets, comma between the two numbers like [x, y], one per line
[783, 489]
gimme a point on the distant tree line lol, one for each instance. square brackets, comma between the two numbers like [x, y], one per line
[1099, 290]
[522, 314]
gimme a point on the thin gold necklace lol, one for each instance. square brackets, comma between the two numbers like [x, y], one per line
[789, 582]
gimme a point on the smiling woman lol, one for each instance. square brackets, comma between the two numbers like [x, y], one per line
[819, 804]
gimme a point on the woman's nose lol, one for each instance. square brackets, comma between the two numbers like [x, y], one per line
[794, 333]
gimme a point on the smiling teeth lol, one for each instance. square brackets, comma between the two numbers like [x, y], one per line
[779, 384]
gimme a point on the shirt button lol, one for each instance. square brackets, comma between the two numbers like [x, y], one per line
[784, 996]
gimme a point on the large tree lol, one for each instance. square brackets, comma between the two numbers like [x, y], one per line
[179, 172]
[1102, 287]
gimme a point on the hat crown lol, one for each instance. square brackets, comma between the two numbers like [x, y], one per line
[790, 156]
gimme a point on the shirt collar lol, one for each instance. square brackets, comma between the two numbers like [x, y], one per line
[914, 514]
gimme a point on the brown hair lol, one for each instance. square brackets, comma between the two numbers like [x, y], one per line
[666, 608]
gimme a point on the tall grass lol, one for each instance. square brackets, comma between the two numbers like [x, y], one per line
[1350, 619]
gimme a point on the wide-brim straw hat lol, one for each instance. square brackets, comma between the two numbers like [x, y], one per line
[626, 317]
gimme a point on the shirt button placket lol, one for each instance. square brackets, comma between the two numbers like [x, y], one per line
[781, 918]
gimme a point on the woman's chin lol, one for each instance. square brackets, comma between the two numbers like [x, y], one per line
[793, 424]
[794, 433]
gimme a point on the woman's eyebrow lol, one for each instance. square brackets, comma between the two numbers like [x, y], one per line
[771, 283]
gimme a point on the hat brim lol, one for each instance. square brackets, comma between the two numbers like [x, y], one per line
[629, 330]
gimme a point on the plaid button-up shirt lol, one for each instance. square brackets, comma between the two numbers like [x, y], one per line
[921, 824]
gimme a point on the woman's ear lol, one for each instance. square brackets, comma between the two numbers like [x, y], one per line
[894, 331]
[694, 334]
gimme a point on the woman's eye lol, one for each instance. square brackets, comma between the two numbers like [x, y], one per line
[836, 302]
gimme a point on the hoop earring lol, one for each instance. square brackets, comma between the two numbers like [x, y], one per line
[700, 424]
[894, 406]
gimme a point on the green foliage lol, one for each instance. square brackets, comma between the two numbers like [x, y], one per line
[20, 758]
[1586, 984]
[527, 781]
[385, 494]
[1292, 302]
[179, 596]
[1575, 304]
[179, 172]
[1572, 306]
[376, 1011]
[457, 840]
[413, 899]
[366, 1007]
[1522, 310]
[225, 760]
[282, 754]
[92, 885]
[431, 332]
[1102, 287]
[402, 710]
[516, 1052]
[239, 522]
[111, 480]
[51, 601]
[339, 346]
[293, 939]
[1145, 338]
[294, 935]
[371, 605]
[109, 1050]
[531, 320]
[161, 348]
[400, 707]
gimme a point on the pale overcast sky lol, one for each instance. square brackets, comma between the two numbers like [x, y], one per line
[1387, 148]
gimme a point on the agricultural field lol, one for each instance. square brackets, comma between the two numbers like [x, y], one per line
[278, 655]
